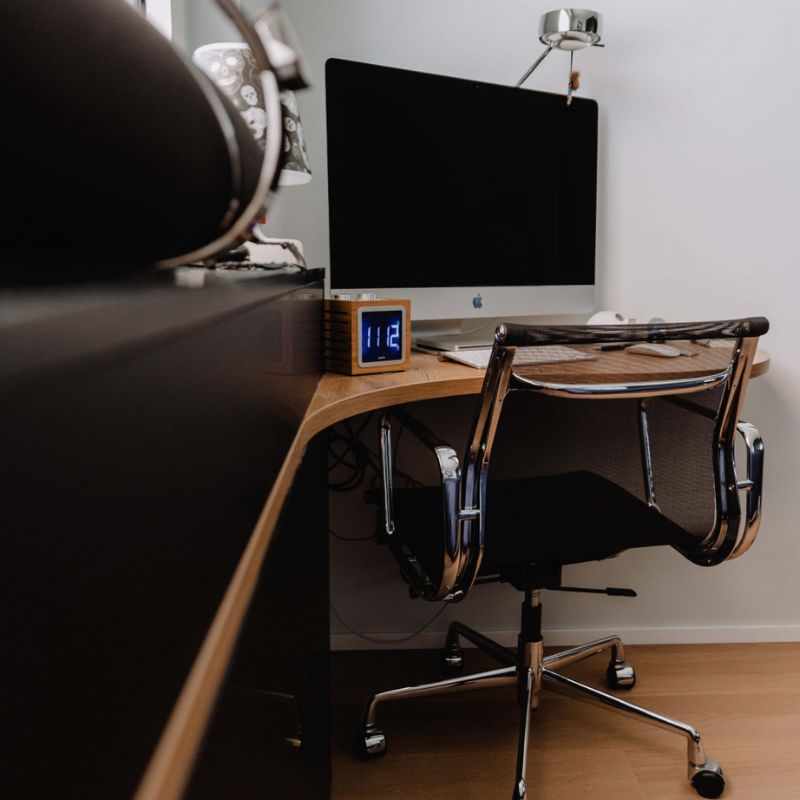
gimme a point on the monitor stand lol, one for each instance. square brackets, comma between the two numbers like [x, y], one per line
[453, 334]
[456, 341]
[465, 334]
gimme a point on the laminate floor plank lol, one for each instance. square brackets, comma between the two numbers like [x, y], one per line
[743, 698]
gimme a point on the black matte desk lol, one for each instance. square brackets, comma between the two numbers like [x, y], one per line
[143, 423]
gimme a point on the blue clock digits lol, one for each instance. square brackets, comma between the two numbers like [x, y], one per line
[381, 336]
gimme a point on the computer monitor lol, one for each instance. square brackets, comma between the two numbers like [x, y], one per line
[471, 199]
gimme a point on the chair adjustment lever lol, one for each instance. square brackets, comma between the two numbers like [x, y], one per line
[610, 590]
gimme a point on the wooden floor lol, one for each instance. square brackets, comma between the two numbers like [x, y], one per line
[744, 699]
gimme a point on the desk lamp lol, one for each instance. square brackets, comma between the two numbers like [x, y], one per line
[232, 66]
[568, 29]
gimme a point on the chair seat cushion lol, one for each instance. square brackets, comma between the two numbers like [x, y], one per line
[564, 519]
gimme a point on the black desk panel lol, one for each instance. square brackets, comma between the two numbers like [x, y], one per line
[142, 424]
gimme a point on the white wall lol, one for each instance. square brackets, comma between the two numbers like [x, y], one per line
[699, 199]
[699, 206]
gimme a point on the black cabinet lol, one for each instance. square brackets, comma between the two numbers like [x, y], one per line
[270, 737]
[142, 423]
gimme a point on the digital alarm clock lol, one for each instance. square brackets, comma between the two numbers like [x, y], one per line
[364, 335]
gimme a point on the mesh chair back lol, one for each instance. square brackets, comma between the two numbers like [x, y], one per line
[664, 429]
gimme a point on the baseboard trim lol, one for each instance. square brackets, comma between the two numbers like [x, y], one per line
[561, 637]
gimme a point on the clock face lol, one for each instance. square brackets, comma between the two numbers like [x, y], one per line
[381, 331]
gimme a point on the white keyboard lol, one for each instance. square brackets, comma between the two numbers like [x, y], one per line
[525, 356]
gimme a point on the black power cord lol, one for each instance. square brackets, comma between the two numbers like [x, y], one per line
[389, 640]
[348, 452]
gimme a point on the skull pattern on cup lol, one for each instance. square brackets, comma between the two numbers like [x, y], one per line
[232, 67]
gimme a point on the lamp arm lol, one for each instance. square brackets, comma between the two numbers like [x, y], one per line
[533, 66]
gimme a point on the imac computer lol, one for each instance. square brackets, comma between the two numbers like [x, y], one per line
[470, 199]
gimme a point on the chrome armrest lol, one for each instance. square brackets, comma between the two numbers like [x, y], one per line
[752, 485]
[450, 475]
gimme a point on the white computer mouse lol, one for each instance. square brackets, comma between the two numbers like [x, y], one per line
[607, 318]
[653, 349]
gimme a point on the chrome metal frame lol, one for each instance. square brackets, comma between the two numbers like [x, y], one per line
[464, 487]
[479, 450]
[647, 456]
[695, 755]
[746, 531]
[615, 391]
[496, 677]
[580, 653]
[530, 673]
[753, 485]
[455, 516]
[721, 541]
[464, 483]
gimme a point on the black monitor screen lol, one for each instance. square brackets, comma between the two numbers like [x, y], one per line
[437, 181]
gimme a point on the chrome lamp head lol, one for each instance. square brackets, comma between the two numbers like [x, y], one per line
[567, 29]
[570, 28]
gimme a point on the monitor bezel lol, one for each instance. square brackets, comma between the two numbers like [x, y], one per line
[468, 302]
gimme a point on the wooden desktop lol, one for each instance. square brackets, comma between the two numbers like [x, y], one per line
[429, 377]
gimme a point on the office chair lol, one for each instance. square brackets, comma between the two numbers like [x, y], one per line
[684, 491]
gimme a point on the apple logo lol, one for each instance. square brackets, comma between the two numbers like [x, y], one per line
[477, 301]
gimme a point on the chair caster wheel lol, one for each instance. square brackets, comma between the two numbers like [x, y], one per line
[370, 743]
[620, 675]
[708, 780]
[453, 658]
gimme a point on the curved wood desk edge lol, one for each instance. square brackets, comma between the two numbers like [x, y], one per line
[760, 364]
[340, 397]
[170, 768]
[335, 410]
